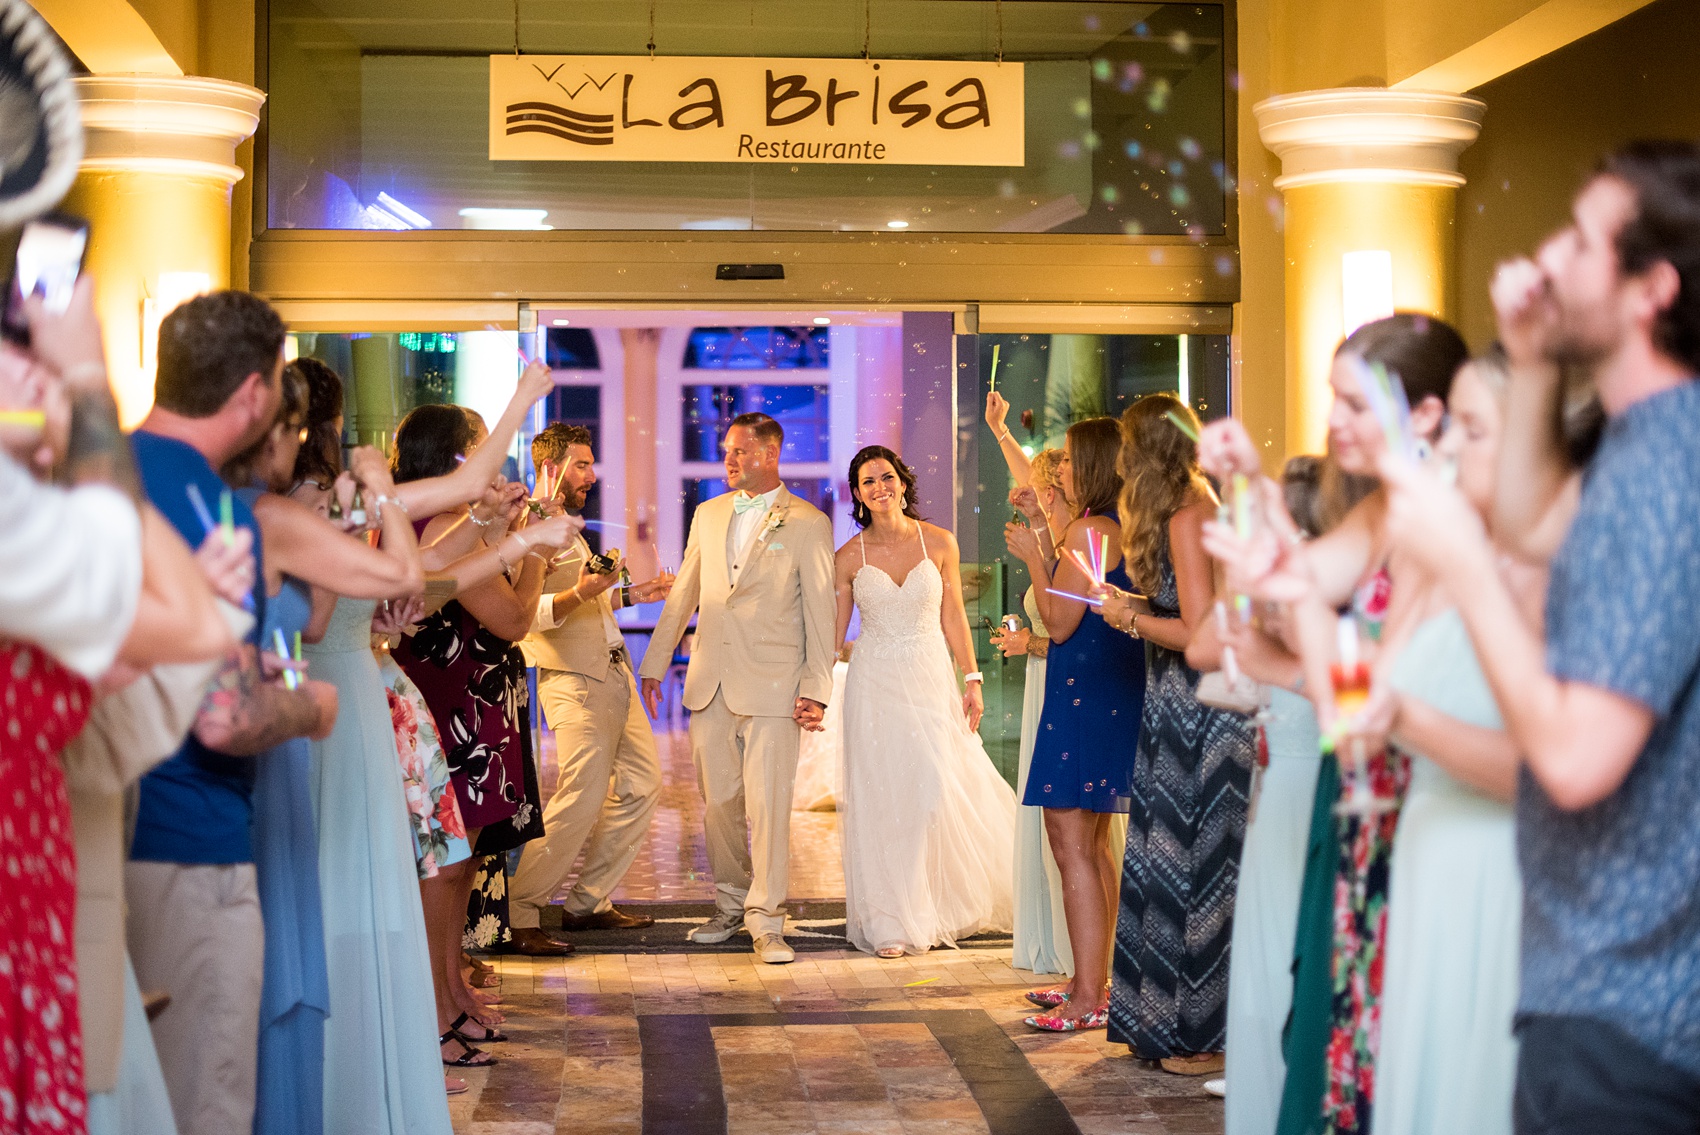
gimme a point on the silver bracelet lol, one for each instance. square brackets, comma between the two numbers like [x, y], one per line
[384, 499]
[473, 516]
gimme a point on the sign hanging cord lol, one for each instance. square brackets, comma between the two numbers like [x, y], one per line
[652, 29]
[516, 29]
[999, 8]
[867, 26]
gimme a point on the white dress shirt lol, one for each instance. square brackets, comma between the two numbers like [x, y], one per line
[741, 533]
[544, 619]
[70, 568]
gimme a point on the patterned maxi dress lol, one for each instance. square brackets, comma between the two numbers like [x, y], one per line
[1169, 993]
[41, 1044]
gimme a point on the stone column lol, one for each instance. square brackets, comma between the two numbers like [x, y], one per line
[642, 374]
[1362, 170]
[155, 186]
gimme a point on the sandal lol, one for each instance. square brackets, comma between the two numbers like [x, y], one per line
[454, 1086]
[470, 1058]
[1055, 1024]
[491, 1036]
[889, 953]
[1048, 998]
[1197, 1064]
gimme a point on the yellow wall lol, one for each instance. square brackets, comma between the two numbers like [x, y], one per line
[1548, 123]
[1260, 363]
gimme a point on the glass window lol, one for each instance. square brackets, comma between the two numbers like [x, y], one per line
[758, 348]
[377, 118]
[578, 406]
[803, 411]
[571, 348]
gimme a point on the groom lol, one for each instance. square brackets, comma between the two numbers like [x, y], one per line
[758, 574]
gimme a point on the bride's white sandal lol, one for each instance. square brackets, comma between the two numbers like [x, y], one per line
[890, 953]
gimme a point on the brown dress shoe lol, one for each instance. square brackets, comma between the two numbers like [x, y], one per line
[611, 919]
[534, 943]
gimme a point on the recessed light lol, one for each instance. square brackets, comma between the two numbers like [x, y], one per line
[561, 322]
[897, 224]
[822, 321]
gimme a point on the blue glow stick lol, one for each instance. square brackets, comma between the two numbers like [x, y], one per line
[291, 679]
[598, 525]
[1071, 595]
[201, 510]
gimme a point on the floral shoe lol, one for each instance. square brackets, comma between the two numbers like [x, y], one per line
[1100, 1018]
[1048, 998]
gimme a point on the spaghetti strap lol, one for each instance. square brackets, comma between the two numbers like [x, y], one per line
[862, 542]
[921, 530]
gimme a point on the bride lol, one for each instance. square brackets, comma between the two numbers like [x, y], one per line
[929, 825]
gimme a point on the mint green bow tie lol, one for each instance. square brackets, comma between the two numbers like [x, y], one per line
[744, 502]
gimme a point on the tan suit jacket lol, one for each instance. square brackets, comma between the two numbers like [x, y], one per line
[767, 640]
[580, 644]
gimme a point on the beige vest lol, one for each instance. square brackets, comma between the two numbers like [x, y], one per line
[580, 644]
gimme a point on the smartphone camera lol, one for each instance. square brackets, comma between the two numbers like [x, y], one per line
[49, 260]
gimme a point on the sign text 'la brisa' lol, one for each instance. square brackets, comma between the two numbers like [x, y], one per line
[611, 108]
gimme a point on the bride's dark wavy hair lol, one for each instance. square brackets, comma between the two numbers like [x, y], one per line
[858, 511]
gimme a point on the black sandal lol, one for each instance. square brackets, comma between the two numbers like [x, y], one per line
[491, 1036]
[467, 1059]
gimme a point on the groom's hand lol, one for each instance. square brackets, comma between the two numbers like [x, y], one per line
[652, 698]
[808, 713]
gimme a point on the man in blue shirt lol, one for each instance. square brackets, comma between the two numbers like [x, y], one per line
[1608, 719]
[194, 917]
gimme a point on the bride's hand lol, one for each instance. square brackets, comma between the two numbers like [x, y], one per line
[973, 705]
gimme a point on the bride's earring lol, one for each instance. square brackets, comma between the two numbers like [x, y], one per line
[903, 503]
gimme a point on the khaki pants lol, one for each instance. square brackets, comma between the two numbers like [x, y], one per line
[746, 768]
[610, 783]
[195, 933]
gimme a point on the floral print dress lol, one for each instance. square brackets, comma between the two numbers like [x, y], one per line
[439, 834]
[42, 707]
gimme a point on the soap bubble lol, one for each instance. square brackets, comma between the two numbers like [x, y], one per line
[1191, 149]
[1132, 149]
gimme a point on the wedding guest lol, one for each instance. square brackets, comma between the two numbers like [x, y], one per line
[1609, 723]
[1331, 1040]
[195, 929]
[1448, 1058]
[609, 770]
[1082, 764]
[1169, 999]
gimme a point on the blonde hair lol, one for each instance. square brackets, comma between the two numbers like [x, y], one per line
[1160, 476]
[1042, 471]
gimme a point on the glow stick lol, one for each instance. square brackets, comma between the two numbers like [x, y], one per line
[995, 349]
[290, 678]
[297, 654]
[34, 419]
[599, 525]
[1385, 393]
[202, 512]
[1183, 425]
[1230, 664]
[226, 518]
[1084, 565]
[1070, 595]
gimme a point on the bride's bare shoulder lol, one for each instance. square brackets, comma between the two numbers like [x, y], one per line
[849, 552]
[942, 539]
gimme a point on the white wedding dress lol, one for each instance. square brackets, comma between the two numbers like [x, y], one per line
[928, 824]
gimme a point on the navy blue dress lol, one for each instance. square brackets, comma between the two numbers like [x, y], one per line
[1089, 730]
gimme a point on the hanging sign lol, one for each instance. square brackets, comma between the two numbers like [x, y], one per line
[620, 108]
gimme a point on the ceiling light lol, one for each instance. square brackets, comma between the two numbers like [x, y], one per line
[822, 321]
[480, 218]
[897, 224]
[561, 322]
[416, 219]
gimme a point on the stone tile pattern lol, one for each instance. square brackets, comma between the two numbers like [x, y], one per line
[576, 1063]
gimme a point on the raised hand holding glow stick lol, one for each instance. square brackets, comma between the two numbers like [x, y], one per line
[994, 383]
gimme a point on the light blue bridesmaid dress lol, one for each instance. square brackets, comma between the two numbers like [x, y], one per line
[383, 1068]
[1272, 866]
[295, 997]
[1448, 1058]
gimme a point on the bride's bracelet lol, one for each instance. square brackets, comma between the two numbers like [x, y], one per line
[976, 676]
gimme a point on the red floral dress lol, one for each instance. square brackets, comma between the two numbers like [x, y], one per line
[42, 707]
[1360, 917]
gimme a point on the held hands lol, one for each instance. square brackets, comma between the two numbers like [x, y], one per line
[1012, 643]
[808, 713]
[229, 569]
[973, 705]
[997, 413]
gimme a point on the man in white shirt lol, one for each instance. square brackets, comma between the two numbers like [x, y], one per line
[609, 773]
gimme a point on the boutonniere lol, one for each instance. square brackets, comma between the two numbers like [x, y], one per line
[775, 521]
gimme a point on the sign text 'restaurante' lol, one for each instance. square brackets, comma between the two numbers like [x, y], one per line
[613, 108]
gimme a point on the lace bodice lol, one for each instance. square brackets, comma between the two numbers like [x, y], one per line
[899, 620]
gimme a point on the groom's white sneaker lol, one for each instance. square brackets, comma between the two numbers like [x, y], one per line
[771, 948]
[716, 930]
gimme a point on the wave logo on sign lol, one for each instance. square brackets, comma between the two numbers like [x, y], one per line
[561, 122]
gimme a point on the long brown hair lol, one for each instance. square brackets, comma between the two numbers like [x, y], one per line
[1092, 447]
[1160, 476]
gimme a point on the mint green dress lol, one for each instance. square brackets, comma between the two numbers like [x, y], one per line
[1448, 1058]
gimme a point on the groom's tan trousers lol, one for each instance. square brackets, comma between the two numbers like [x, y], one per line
[746, 767]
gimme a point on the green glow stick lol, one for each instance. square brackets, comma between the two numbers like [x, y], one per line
[34, 419]
[226, 518]
[996, 347]
[1183, 425]
[297, 654]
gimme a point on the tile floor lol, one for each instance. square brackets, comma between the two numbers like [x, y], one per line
[835, 1043]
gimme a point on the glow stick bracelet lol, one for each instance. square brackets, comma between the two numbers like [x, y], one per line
[995, 348]
[202, 512]
[34, 419]
[291, 679]
[1183, 425]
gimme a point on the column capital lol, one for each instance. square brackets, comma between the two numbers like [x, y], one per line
[188, 126]
[1359, 134]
